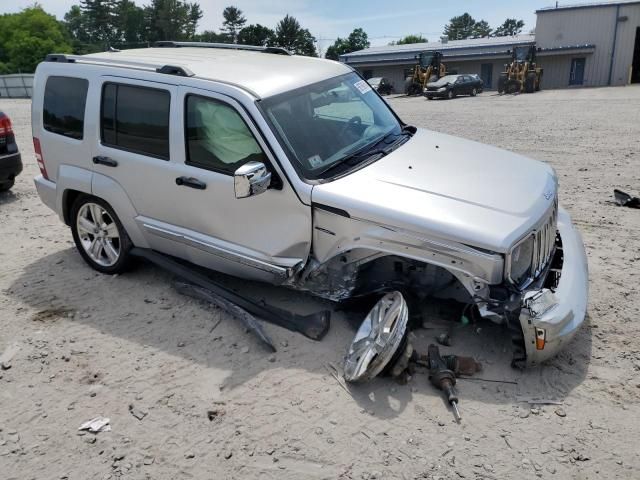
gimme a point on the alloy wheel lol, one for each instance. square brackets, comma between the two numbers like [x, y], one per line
[98, 234]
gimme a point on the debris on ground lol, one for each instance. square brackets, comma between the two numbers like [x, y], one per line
[136, 412]
[383, 345]
[95, 425]
[623, 199]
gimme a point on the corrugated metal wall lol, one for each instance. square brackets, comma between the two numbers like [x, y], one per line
[395, 73]
[625, 44]
[558, 28]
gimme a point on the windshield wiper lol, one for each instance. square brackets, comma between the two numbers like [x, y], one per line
[368, 152]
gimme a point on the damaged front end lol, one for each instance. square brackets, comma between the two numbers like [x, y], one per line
[545, 316]
[355, 258]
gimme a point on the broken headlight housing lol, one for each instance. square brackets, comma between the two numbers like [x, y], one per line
[520, 260]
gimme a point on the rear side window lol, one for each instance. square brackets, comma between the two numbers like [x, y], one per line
[136, 119]
[65, 99]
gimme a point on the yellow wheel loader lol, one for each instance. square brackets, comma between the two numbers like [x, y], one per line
[522, 75]
[429, 68]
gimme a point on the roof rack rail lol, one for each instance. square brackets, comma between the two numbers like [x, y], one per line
[59, 58]
[230, 46]
[175, 70]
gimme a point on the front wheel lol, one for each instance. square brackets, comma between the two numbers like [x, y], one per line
[100, 237]
[450, 94]
[474, 92]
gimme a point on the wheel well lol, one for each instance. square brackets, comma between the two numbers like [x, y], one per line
[412, 276]
[68, 199]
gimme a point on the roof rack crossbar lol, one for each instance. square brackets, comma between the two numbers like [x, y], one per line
[229, 46]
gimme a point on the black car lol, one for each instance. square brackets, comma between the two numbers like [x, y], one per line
[382, 85]
[451, 86]
[10, 161]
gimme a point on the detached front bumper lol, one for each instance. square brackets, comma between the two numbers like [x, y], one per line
[551, 318]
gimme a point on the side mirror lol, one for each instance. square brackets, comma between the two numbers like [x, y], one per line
[251, 179]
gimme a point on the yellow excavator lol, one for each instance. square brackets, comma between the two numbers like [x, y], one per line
[429, 68]
[522, 75]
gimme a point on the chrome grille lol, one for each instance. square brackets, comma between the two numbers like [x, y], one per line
[544, 241]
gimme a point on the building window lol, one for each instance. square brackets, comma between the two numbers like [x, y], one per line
[136, 119]
[65, 99]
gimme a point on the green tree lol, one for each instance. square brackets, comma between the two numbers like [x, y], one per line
[460, 27]
[257, 35]
[130, 22]
[212, 37]
[100, 20]
[75, 22]
[290, 35]
[171, 20]
[410, 39]
[510, 27]
[481, 29]
[27, 37]
[233, 22]
[357, 40]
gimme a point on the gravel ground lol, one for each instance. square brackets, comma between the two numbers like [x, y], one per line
[79, 345]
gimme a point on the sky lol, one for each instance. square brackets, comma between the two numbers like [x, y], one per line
[383, 20]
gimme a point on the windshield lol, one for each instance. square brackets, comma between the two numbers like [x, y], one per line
[446, 79]
[426, 59]
[521, 54]
[324, 123]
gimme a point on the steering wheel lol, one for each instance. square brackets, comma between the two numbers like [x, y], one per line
[353, 122]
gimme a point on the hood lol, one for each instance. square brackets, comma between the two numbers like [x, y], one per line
[439, 83]
[449, 187]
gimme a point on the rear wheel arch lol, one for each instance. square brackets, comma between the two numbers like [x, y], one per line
[69, 197]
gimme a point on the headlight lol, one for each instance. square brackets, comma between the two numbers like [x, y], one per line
[521, 260]
[442, 89]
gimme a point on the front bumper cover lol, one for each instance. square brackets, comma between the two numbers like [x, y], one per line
[555, 316]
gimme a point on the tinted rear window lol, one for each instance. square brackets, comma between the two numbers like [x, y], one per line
[136, 119]
[65, 99]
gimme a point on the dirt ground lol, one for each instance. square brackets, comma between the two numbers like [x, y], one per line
[80, 345]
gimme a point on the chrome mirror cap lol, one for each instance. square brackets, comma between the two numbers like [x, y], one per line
[251, 179]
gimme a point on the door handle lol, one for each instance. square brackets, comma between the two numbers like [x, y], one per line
[191, 183]
[106, 161]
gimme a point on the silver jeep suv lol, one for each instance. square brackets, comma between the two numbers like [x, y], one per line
[293, 171]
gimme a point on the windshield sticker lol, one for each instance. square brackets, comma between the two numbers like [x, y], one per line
[315, 161]
[363, 86]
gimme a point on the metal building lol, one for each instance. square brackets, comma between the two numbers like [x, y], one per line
[611, 35]
[484, 56]
[593, 44]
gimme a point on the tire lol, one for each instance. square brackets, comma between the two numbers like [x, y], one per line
[530, 83]
[474, 92]
[6, 186]
[450, 95]
[104, 244]
[502, 84]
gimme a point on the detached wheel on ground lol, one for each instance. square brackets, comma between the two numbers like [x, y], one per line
[100, 237]
[4, 186]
